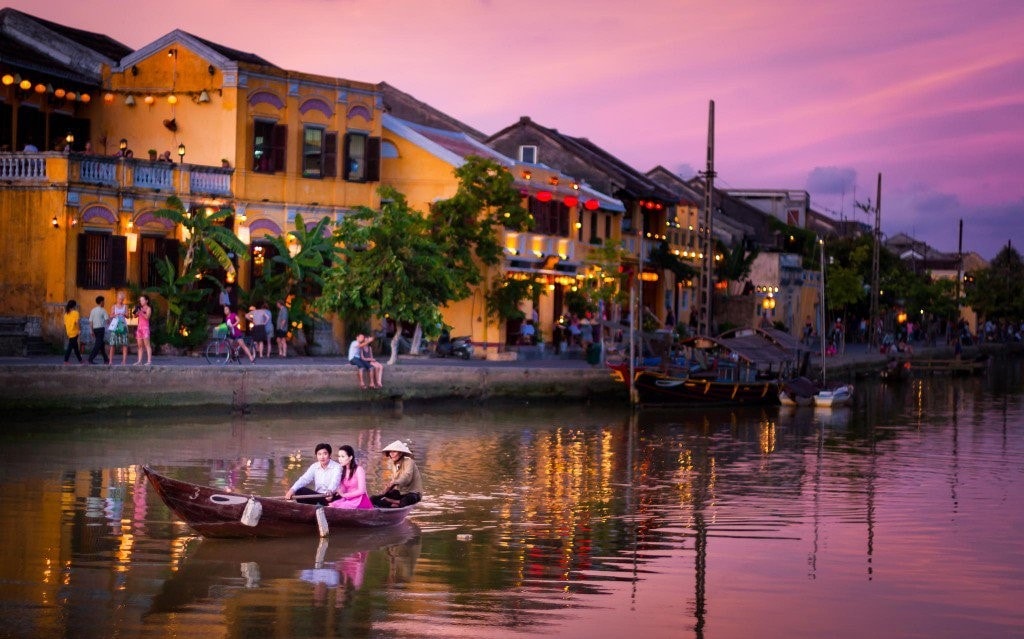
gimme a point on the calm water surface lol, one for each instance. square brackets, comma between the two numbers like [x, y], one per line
[900, 517]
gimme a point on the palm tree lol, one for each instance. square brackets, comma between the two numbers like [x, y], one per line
[206, 238]
[735, 264]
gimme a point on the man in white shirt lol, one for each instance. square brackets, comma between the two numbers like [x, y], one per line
[325, 475]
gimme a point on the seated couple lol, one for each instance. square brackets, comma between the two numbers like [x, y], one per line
[360, 355]
[342, 483]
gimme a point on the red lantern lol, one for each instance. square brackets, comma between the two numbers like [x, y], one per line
[591, 205]
[571, 200]
[543, 196]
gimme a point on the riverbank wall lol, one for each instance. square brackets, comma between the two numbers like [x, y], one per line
[55, 388]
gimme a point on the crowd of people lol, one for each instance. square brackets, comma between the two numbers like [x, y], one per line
[342, 483]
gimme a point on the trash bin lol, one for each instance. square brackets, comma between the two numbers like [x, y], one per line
[594, 353]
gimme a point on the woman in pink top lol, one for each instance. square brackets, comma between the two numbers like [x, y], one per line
[351, 491]
[142, 333]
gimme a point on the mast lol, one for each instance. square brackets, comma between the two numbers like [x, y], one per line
[704, 316]
[873, 329]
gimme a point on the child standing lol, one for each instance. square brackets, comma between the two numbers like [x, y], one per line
[71, 326]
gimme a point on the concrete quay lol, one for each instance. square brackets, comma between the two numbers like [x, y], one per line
[44, 384]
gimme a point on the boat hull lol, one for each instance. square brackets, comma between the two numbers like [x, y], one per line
[655, 388]
[833, 398]
[218, 513]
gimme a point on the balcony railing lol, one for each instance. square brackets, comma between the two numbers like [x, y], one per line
[23, 166]
[114, 172]
[209, 180]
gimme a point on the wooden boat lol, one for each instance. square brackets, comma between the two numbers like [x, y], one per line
[655, 388]
[895, 370]
[218, 513]
[741, 367]
[803, 392]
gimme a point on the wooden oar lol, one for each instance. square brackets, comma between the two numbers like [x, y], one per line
[298, 497]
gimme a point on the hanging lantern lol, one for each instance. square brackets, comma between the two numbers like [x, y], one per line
[149, 99]
[571, 200]
[591, 205]
[543, 196]
[59, 93]
[85, 98]
[71, 95]
[40, 88]
[108, 97]
[172, 99]
[25, 85]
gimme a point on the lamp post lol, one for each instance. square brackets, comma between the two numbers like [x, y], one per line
[70, 139]
[181, 153]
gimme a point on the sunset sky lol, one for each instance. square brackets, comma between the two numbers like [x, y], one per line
[820, 96]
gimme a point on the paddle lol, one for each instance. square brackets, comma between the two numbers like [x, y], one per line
[301, 497]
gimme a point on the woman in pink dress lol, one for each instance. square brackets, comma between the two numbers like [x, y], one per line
[142, 333]
[351, 491]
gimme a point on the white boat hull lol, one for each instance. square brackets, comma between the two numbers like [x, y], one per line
[839, 396]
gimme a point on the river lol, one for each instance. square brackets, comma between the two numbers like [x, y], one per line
[901, 516]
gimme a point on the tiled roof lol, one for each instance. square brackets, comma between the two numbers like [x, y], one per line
[234, 54]
[98, 42]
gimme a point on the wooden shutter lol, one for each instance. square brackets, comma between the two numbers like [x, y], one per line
[81, 270]
[118, 260]
[346, 157]
[278, 147]
[372, 173]
[329, 159]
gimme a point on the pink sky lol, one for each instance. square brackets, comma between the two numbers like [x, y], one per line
[808, 95]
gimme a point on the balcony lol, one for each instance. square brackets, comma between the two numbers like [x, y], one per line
[115, 173]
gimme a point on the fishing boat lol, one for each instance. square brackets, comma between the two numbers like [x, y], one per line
[212, 512]
[738, 368]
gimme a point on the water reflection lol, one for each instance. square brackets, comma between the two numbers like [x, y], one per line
[898, 516]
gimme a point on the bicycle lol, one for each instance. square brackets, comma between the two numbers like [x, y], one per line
[222, 349]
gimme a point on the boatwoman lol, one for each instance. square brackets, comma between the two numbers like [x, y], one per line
[406, 487]
[325, 475]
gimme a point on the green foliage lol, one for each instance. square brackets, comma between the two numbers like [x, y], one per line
[181, 304]
[466, 225]
[609, 285]
[663, 257]
[997, 292]
[208, 243]
[389, 264]
[301, 276]
[843, 287]
[505, 295]
[735, 264]
[579, 303]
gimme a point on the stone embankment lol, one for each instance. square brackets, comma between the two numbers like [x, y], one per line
[49, 386]
[45, 385]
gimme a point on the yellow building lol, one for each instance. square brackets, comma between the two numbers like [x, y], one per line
[570, 219]
[234, 130]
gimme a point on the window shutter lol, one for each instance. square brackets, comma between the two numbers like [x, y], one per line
[278, 147]
[346, 170]
[118, 260]
[373, 160]
[82, 274]
[329, 162]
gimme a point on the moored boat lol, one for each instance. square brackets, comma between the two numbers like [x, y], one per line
[834, 397]
[212, 512]
[656, 388]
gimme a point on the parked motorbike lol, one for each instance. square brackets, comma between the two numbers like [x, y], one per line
[448, 346]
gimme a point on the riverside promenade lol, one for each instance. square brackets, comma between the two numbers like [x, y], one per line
[45, 384]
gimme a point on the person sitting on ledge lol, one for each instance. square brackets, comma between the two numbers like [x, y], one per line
[406, 487]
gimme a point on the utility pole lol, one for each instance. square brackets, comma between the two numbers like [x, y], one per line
[874, 263]
[873, 335]
[707, 285]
